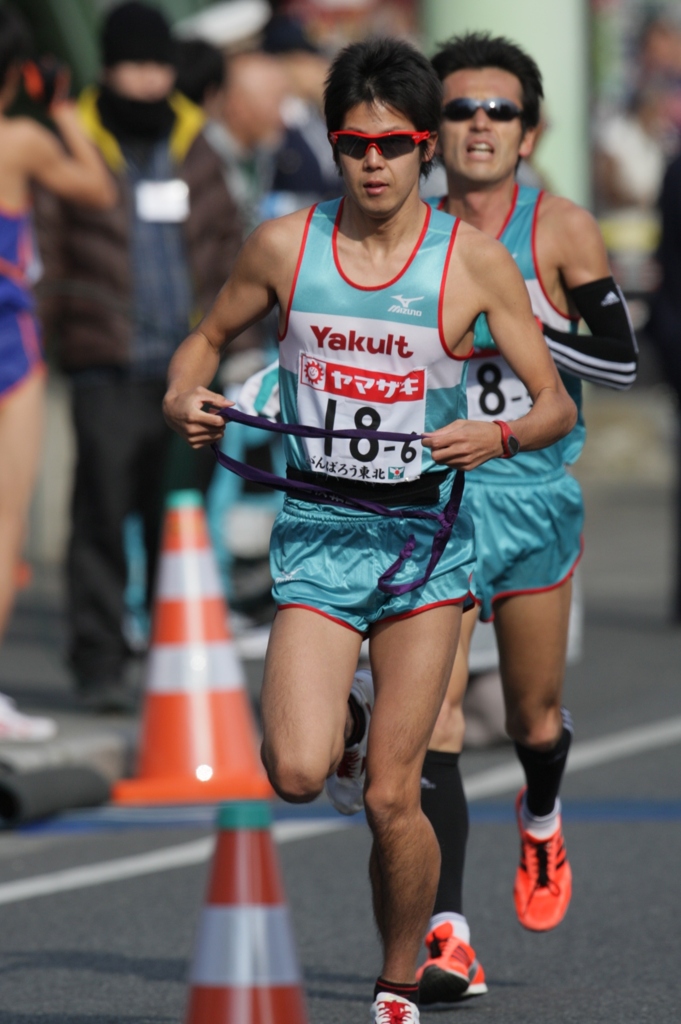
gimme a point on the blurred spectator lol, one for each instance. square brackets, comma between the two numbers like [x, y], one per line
[665, 324]
[201, 74]
[305, 169]
[632, 149]
[234, 26]
[29, 154]
[122, 288]
[246, 128]
[659, 47]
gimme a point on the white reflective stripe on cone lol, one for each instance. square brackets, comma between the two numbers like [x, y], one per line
[188, 574]
[194, 668]
[246, 946]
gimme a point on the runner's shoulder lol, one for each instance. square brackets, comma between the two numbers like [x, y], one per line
[482, 255]
[565, 223]
[279, 239]
[23, 137]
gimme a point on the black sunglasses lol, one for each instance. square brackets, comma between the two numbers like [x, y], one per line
[463, 108]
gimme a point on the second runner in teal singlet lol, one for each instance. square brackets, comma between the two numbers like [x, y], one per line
[528, 511]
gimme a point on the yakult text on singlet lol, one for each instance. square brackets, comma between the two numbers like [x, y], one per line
[352, 342]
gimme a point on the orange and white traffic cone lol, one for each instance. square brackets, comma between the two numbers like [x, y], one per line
[198, 740]
[245, 969]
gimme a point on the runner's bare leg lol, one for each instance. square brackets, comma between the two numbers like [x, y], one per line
[532, 634]
[21, 431]
[411, 662]
[310, 664]
[449, 730]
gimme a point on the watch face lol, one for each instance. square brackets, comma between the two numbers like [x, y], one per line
[513, 445]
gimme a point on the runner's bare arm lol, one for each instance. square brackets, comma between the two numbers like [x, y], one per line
[489, 278]
[569, 247]
[74, 170]
[261, 278]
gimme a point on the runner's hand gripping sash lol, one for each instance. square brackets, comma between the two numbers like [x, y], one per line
[326, 496]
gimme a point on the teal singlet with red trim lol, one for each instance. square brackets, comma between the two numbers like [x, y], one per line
[494, 391]
[354, 356]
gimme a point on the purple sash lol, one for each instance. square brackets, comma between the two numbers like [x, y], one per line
[326, 496]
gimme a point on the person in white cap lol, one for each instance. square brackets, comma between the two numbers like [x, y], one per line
[245, 124]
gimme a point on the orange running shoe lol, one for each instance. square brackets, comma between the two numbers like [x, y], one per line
[543, 881]
[452, 970]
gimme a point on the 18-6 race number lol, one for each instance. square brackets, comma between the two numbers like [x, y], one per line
[339, 397]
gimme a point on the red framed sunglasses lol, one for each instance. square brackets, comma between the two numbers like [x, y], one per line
[388, 144]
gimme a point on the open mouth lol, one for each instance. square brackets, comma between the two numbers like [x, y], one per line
[480, 148]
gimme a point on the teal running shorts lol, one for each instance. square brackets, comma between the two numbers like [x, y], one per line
[528, 537]
[329, 560]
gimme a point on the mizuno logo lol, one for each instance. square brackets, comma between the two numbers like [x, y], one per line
[404, 305]
[407, 302]
[611, 299]
[287, 577]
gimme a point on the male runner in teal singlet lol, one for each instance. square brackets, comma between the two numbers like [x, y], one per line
[377, 295]
[528, 511]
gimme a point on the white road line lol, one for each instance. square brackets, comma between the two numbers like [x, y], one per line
[587, 754]
[288, 831]
[148, 863]
[502, 779]
[108, 871]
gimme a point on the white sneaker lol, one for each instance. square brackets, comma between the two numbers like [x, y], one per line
[390, 1009]
[345, 788]
[15, 726]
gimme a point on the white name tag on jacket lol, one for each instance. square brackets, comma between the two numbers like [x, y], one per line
[162, 202]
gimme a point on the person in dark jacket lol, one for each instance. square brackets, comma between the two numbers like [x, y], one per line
[121, 289]
[665, 323]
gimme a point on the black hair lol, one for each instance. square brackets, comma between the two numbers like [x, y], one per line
[15, 40]
[387, 71]
[200, 67]
[483, 50]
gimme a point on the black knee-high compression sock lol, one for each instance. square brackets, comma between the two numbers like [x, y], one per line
[359, 723]
[544, 770]
[444, 804]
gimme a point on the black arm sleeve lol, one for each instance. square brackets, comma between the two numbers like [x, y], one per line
[610, 355]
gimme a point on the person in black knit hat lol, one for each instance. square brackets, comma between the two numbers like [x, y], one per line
[136, 32]
[121, 291]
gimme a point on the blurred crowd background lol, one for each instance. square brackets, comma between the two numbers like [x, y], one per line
[256, 69]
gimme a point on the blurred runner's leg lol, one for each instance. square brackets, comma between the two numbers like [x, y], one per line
[21, 431]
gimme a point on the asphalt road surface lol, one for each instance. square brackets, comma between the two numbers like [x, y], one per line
[118, 950]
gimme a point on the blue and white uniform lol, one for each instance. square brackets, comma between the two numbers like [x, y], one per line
[356, 356]
[20, 346]
[528, 511]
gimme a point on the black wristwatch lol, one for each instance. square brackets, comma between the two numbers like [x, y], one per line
[509, 441]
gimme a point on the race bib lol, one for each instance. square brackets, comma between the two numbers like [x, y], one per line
[339, 397]
[494, 392]
[162, 202]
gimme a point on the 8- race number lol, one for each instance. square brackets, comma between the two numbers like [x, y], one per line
[492, 401]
